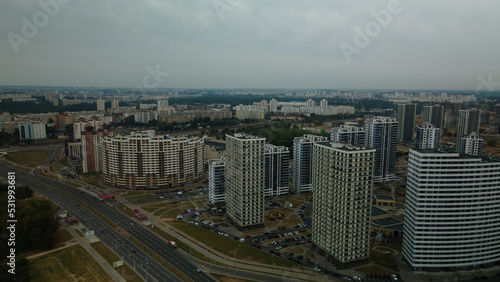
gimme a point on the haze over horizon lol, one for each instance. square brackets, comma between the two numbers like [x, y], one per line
[251, 44]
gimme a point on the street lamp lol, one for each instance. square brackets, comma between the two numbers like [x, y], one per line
[134, 252]
[272, 263]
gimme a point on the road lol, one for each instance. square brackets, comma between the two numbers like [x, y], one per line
[145, 265]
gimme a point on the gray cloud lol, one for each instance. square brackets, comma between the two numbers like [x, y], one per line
[259, 44]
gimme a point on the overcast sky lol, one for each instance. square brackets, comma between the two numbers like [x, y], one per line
[251, 43]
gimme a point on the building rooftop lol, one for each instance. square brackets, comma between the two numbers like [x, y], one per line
[245, 136]
[384, 197]
[376, 211]
[388, 222]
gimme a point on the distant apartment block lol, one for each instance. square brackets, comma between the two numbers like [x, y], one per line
[245, 184]
[250, 112]
[433, 115]
[273, 105]
[143, 116]
[406, 122]
[381, 135]
[451, 214]
[277, 176]
[162, 104]
[310, 103]
[147, 106]
[32, 130]
[144, 160]
[302, 161]
[343, 183]
[451, 115]
[348, 134]
[115, 104]
[428, 136]
[472, 144]
[468, 122]
[217, 180]
[323, 104]
[101, 105]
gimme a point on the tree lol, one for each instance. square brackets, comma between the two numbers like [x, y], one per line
[492, 142]
[68, 130]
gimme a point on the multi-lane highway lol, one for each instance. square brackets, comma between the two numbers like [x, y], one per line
[145, 265]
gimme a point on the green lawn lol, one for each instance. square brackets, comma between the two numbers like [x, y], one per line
[231, 247]
[63, 235]
[70, 264]
[125, 271]
[30, 158]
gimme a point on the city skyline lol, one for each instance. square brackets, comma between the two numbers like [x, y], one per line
[257, 44]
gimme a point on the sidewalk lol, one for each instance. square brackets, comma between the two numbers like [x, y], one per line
[85, 243]
[213, 255]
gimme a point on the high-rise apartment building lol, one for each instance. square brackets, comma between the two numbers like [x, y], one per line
[428, 136]
[245, 180]
[468, 122]
[91, 149]
[302, 161]
[452, 208]
[323, 104]
[381, 135]
[310, 103]
[450, 115]
[101, 105]
[433, 115]
[406, 122]
[472, 144]
[217, 180]
[277, 175]
[342, 195]
[348, 134]
[115, 104]
[32, 130]
[81, 126]
[273, 105]
[143, 160]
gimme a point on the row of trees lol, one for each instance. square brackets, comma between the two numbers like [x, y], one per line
[281, 134]
[37, 224]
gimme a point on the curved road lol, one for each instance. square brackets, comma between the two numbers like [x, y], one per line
[145, 265]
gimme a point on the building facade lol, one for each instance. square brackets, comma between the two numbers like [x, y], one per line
[101, 105]
[468, 122]
[245, 184]
[406, 122]
[273, 105]
[452, 211]
[217, 180]
[144, 160]
[250, 112]
[381, 135]
[32, 130]
[348, 134]
[91, 149]
[428, 136]
[302, 161]
[472, 144]
[277, 176]
[342, 197]
[433, 115]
